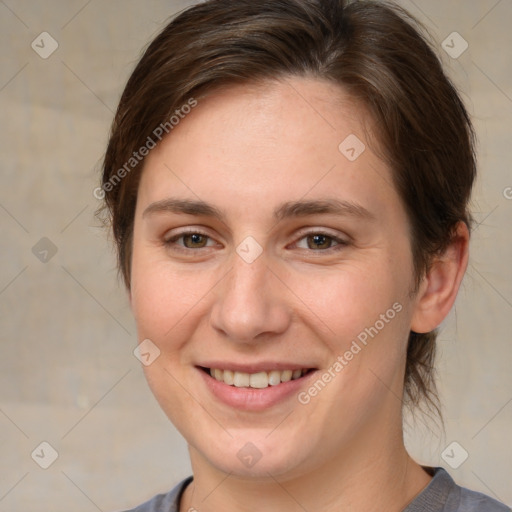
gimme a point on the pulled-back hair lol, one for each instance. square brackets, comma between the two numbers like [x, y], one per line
[373, 50]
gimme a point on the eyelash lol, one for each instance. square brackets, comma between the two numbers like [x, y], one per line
[171, 242]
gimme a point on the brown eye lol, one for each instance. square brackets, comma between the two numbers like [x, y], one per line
[194, 240]
[319, 241]
[189, 240]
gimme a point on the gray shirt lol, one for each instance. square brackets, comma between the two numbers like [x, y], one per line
[442, 494]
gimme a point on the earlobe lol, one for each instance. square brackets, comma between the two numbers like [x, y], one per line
[438, 290]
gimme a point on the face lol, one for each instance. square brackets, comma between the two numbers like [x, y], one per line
[274, 255]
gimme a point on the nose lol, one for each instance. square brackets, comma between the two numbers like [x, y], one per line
[251, 303]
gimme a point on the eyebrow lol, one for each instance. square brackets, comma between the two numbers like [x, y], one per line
[289, 209]
[186, 206]
[303, 208]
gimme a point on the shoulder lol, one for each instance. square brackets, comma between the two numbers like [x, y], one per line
[471, 501]
[168, 502]
[444, 495]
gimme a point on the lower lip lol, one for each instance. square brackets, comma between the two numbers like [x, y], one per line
[252, 399]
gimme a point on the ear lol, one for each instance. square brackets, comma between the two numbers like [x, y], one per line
[439, 287]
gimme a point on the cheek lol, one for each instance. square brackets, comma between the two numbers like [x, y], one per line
[361, 314]
[347, 300]
[166, 301]
[166, 304]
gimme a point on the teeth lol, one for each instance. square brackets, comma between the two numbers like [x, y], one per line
[296, 374]
[258, 380]
[229, 377]
[274, 377]
[241, 380]
[286, 376]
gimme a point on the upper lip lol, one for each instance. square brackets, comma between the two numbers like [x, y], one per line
[263, 366]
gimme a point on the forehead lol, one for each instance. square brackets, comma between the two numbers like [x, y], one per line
[277, 140]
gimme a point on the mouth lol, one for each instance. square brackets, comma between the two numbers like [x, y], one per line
[256, 380]
[254, 387]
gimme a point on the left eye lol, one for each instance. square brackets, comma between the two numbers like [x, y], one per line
[190, 240]
[320, 241]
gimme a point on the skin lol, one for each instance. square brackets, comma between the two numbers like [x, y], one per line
[246, 150]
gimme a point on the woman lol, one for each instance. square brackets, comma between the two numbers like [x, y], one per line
[288, 184]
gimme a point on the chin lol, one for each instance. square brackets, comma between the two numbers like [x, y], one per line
[256, 455]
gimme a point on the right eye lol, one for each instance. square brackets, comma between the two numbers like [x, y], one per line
[189, 240]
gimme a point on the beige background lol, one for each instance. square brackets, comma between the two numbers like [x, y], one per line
[67, 372]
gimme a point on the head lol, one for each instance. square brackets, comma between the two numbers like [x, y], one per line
[253, 108]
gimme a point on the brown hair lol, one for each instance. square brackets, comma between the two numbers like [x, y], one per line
[373, 50]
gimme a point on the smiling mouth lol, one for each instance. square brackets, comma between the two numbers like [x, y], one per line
[258, 380]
